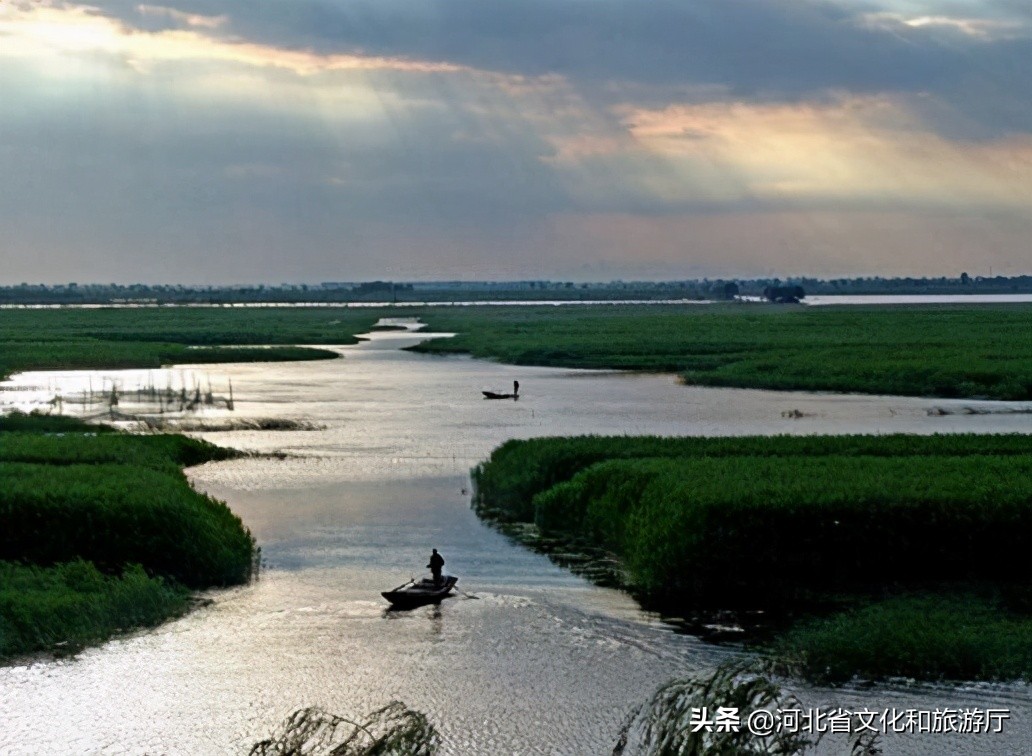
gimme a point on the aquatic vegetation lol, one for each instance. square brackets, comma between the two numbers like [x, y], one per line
[518, 470]
[754, 531]
[152, 337]
[93, 445]
[114, 515]
[668, 723]
[960, 637]
[101, 532]
[38, 422]
[761, 521]
[226, 424]
[943, 350]
[66, 606]
[798, 525]
[393, 729]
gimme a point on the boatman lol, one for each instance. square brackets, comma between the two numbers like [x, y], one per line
[436, 563]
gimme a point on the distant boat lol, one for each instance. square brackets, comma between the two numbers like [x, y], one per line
[497, 395]
[419, 592]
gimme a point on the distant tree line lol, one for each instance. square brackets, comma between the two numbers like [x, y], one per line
[789, 289]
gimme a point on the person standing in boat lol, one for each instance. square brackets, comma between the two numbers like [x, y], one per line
[436, 565]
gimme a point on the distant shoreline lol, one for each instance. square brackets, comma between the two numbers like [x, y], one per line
[818, 300]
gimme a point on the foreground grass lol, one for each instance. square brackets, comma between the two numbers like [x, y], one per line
[152, 337]
[793, 525]
[67, 606]
[667, 724]
[943, 351]
[101, 532]
[394, 729]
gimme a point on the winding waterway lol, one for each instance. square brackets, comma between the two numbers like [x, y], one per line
[541, 662]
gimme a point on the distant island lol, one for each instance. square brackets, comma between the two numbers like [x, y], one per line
[444, 291]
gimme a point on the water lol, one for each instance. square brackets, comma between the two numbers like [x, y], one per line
[813, 300]
[542, 662]
[904, 299]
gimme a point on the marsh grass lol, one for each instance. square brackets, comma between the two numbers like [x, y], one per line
[81, 444]
[393, 730]
[922, 540]
[939, 637]
[67, 606]
[101, 532]
[153, 337]
[944, 351]
[520, 469]
[40, 423]
[114, 515]
[754, 531]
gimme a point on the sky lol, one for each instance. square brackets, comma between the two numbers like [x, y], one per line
[246, 141]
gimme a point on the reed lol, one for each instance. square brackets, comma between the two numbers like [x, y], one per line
[921, 539]
[392, 730]
[518, 470]
[101, 532]
[753, 531]
[67, 606]
[151, 338]
[119, 514]
[965, 636]
[665, 725]
[945, 351]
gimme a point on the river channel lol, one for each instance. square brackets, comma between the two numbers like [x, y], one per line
[541, 662]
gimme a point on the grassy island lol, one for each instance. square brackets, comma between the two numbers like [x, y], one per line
[103, 533]
[934, 350]
[79, 339]
[879, 556]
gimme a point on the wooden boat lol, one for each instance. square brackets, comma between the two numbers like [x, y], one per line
[419, 592]
[496, 395]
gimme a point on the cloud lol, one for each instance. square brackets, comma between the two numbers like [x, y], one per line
[201, 138]
[858, 150]
[43, 31]
[751, 49]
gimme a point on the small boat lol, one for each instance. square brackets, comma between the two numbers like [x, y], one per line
[496, 395]
[419, 592]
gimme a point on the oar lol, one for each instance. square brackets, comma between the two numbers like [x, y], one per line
[410, 582]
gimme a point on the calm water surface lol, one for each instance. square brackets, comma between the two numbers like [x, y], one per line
[542, 662]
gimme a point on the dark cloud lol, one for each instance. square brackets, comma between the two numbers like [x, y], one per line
[754, 49]
[133, 181]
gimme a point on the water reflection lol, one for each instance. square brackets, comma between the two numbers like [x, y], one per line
[431, 615]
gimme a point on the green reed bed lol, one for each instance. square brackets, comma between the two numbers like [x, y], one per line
[930, 636]
[944, 351]
[51, 425]
[66, 606]
[797, 525]
[101, 532]
[518, 470]
[166, 453]
[115, 515]
[152, 337]
[762, 531]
